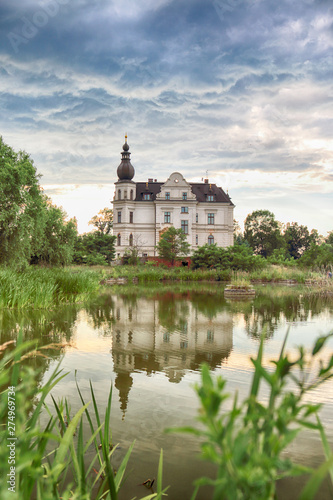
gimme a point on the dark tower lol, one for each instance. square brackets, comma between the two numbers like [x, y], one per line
[125, 170]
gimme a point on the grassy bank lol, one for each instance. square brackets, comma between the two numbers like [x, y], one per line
[45, 287]
[42, 288]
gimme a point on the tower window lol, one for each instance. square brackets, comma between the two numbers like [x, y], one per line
[131, 240]
[118, 240]
[210, 239]
[184, 196]
[119, 217]
[196, 218]
[196, 239]
[119, 194]
[184, 210]
[211, 219]
[131, 217]
[131, 194]
[184, 226]
[167, 217]
[167, 196]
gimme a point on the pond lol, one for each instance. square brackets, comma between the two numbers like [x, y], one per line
[149, 342]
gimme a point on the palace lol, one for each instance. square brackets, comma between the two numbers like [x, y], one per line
[143, 210]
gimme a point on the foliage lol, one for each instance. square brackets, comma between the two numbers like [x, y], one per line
[318, 256]
[246, 442]
[56, 245]
[95, 248]
[235, 257]
[262, 232]
[329, 238]
[173, 244]
[103, 221]
[298, 239]
[31, 228]
[131, 257]
[42, 473]
[42, 288]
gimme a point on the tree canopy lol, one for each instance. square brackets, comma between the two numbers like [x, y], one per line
[31, 228]
[173, 244]
[263, 232]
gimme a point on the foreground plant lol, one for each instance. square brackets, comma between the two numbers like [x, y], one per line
[53, 461]
[247, 442]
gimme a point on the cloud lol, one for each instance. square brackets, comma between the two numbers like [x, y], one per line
[235, 87]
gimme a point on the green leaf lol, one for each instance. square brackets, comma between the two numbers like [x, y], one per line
[320, 342]
[312, 486]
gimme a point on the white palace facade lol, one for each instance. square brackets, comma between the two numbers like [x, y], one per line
[143, 210]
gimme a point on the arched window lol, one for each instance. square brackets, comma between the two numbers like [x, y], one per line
[119, 194]
[210, 239]
[118, 240]
[131, 240]
[131, 194]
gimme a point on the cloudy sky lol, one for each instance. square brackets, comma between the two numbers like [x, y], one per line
[239, 90]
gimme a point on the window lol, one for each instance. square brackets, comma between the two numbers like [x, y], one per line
[167, 217]
[196, 239]
[184, 226]
[131, 194]
[166, 337]
[167, 196]
[184, 210]
[131, 217]
[183, 344]
[119, 240]
[119, 218]
[196, 218]
[210, 239]
[184, 196]
[211, 219]
[146, 196]
[125, 194]
[119, 194]
[210, 197]
[131, 240]
[210, 336]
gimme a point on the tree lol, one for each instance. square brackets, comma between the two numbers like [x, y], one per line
[172, 244]
[59, 235]
[329, 238]
[263, 232]
[32, 229]
[298, 239]
[236, 257]
[103, 221]
[20, 198]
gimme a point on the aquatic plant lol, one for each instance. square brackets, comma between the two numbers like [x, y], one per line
[54, 461]
[247, 442]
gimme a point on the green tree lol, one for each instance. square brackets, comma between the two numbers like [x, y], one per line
[56, 247]
[20, 201]
[103, 221]
[329, 238]
[262, 232]
[236, 257]
[94, 248]
[318, 256]
[173, 244]
[298, 239]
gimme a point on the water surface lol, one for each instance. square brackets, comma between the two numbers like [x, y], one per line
[149, 342]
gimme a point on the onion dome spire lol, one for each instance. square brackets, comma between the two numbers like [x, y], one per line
[125, 170]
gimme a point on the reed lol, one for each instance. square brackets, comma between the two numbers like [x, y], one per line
[45, 457]
[42, 288]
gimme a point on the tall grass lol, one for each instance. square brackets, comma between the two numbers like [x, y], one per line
[246, 443]
[42, 288]
[55, 462]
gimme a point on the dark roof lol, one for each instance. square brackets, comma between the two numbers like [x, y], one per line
[200, 190]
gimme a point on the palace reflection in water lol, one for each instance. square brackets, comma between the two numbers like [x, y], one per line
[172, 336]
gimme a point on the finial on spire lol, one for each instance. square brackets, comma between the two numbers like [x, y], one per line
[125, 137]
